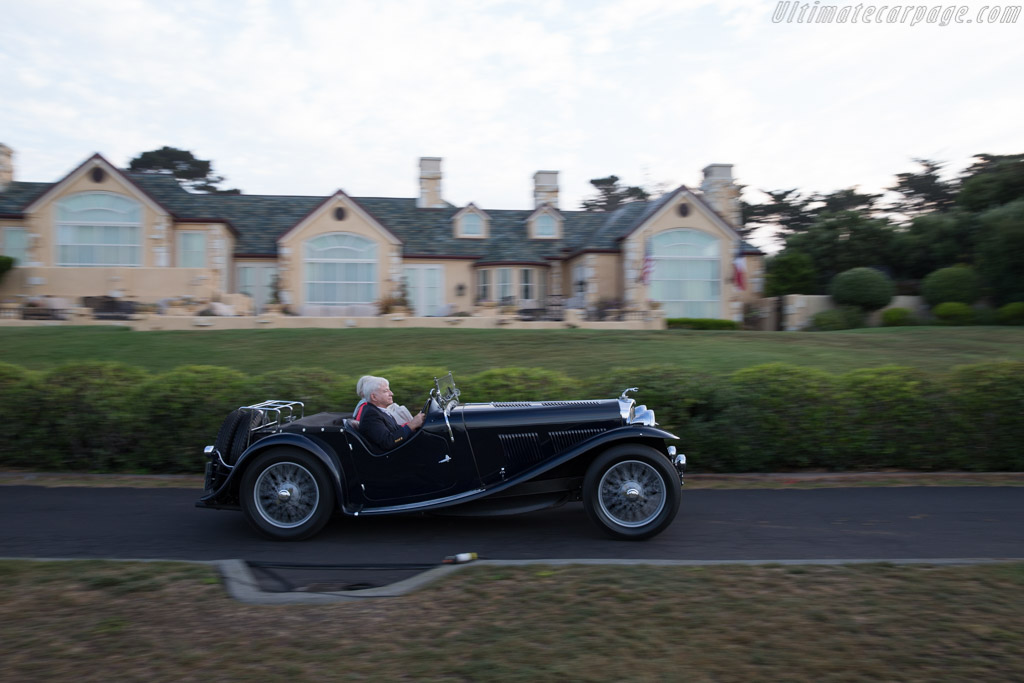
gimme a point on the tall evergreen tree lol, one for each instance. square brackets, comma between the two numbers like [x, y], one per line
[611, 195]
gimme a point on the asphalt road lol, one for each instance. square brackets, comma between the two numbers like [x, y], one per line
[855, 523]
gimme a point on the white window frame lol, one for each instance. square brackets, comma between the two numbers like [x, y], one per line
[18, 253]
[185, 255]
[545, 235]
[75, 237]
[359, 251]
[689, 308]
[527, 287]
[464, 221]
[483, 285]
[579, 280]
[505, 289]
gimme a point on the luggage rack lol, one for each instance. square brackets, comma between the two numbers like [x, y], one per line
[276, 413]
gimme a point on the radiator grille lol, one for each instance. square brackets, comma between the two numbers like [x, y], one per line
[570, 437]
[521, 450]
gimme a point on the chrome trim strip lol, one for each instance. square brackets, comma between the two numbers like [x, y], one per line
[434, 502]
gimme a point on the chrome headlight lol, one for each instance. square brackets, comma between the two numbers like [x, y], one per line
[643, 415]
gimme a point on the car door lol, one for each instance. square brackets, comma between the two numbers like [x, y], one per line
[427, 466]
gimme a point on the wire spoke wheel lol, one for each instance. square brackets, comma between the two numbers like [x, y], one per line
[286, 494]
[631, 493]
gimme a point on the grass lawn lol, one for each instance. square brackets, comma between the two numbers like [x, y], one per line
[170, 622]
[578, 353]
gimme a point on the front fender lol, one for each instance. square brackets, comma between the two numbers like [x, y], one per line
[651, 435]
[323, 454]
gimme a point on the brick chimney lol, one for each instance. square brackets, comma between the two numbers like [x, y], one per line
[545, 188]
[721, 192]
[6, 166]
[430, 184]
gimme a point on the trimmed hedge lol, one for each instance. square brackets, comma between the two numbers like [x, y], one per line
[834, 319]
[774, 417]
[700, 324]
[954, 313]
[898, 317]
[110, 417]
[1011, 314]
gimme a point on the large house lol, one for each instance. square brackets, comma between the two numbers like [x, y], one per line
[102, 230]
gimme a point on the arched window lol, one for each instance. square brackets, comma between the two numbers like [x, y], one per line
[99, 229]
[340, 268]
[686, 277]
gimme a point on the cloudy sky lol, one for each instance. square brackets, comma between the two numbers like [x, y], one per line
[308, 96]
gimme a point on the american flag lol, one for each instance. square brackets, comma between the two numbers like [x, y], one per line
[739, 277]
[648, 267]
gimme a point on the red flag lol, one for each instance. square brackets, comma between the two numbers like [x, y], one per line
[739, 272]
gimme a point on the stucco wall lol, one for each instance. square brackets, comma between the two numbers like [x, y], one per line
[669, 218]
[798, 310]
[322, 222]
[156, 278]
[455, 273]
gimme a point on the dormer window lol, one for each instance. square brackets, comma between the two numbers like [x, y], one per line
[545, 224]
[471, 223]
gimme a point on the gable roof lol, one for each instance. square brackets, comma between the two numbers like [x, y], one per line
[260, 220]
[18, 195]
[93, 162]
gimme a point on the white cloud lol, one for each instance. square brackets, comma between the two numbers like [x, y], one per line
[304, 97]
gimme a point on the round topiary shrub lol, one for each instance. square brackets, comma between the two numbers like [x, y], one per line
[954, 313]
[957, 284]
[1011, 314]
[898, 317]
[866, 288]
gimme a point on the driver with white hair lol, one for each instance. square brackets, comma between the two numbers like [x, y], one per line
[375, 421]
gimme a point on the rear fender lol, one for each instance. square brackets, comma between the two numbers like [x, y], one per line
[324, 455]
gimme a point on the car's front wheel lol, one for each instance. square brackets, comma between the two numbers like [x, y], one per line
[286, 495]
[631, 491]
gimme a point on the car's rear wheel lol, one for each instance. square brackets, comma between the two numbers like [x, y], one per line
[286, 495]
[631, 491]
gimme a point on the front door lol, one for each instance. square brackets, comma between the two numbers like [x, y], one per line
[257, 280]
[424, 287]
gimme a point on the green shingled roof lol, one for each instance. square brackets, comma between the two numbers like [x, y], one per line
[19, 195]
[260, 219]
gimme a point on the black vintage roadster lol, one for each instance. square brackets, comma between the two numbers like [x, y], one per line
[289, 473]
